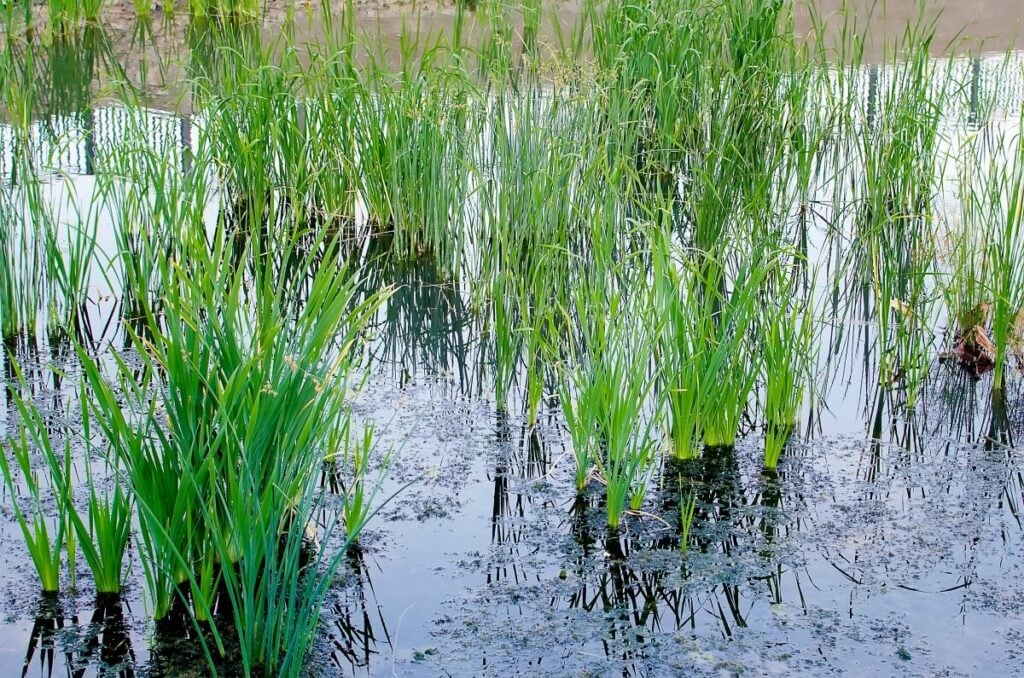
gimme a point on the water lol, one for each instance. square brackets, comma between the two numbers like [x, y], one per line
[885, 544]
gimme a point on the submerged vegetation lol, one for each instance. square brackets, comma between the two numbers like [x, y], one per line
[659, 231]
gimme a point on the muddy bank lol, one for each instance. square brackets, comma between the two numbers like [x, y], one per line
[155, 59]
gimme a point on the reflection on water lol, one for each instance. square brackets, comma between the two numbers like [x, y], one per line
[425, 325]
[42, 645]
[68, 643]
[815, 535]
[523, 457]
[359, 630]
[636, 581]
[107, 639]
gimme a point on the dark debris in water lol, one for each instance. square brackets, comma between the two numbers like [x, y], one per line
[857, 557]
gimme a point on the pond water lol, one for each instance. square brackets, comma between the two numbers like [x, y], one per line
[885, 543]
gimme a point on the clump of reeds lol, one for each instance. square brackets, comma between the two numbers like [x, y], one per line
[22, 260]
[152, 224]
[985, 288]
[348, 467]
[708, 366]
[532, 193]
[898, 139]
[412, 129]
[102, 531]
[605, 388]
[788, 342]
[45, 535]
[241, 397]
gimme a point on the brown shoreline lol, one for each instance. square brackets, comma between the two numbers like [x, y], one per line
[157, 65]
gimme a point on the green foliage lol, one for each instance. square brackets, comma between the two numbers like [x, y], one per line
[708, 366]
[412, 129]
[894, 256]
[1004, 256]
[789, 346]
[687, 509]
[242, 395]
[103, 530]
[350, 466]
[44, 536]
[636, 236]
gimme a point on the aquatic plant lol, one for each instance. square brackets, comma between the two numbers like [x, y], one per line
[730, 355]
[898, 144]
[152, 225]
[45, 536]
[531, 191]
[687, 509]
[241, 394]
[70, 261]
[535, 351]
[983, 283]
[962, 250]
[583, 374]
[22, 258]
[654, 53]
[47, 258]
[349, 465]
[621, 387]
[788, 348]
[226, 9]
[412, 131]
[631, 230]
[708, 367]
[605, 415]
[1004, 252]
[64, 16]
[607, 380]
[104, 530]
[680, 350]
[20, 271]
[576, 396]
